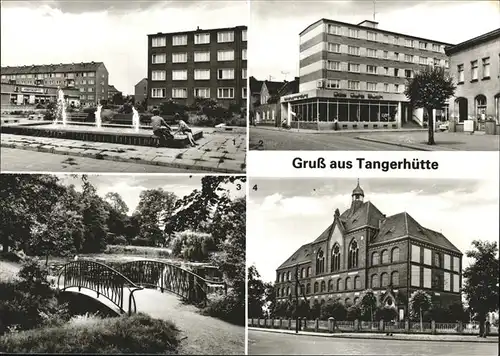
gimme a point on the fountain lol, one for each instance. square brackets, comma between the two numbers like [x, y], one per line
[135, 119]
[98, 119]
[61, 107]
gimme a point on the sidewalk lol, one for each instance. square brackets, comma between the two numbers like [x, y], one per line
[395, 336]
[333, 132]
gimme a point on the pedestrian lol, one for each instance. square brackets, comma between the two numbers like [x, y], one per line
[163, 133]
[487, 328]
[184, 129]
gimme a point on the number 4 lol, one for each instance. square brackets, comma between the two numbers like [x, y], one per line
[255, 187]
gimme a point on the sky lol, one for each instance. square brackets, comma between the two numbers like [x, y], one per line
[130, 186]
[284, 214]
[113, 32]
[275, 25]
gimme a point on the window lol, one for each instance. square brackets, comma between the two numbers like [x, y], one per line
[386, 55]
[427, 256]
[423, 60]
[446, 281]
[339, 284]
[446, 259]
[308, 288]
[375, 259]
[408, 43]
[201, 38]
[374, 281]
[395, 278]
[353, 67]
[386, 39]
[371, 52]
[348, 283]
[202, 56]
[333, 84]
[158, 92]
[289, 276]
[180, 93]
[435, 47]
[179, 57]
[353, 85]
[456, 264]
[384, 278]
[158, 75]
[90, 97]
[335, 258]
[415, 276]
[323, 286]
[437, 61]
[320, 262]
[353, 50]
[371, 86]
[334, 30]
[244, 54]
[486, 67]
[332, 65]
[422, 45]
[396, 56]
[288, 291]
[225, 93]
[395, 40]
[395, 254]
[396, 88]
[436, 282]
[427, 278]
[330, 285]
[90, 90]
[408, 58]
[225, 55]
[201, 74]
[371, 69]
[386, 87]
[159, 42]
[244, 73]
[408, 73]
[334, 47]
[385, 256]
[357, 282]
[244, 35]
[308, 271]
[353, 253]
[227, 36]
[179, 74]
[415, 253]
[371, 36]
[316, 287]
[225, 74]
[385, 71]
[437, 259]
[158, 58]
[179, 40]
[456, 283]
[353, 33]
[474, 73]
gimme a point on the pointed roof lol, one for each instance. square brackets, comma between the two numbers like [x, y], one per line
[358, 190]
[303, 254]
[273, 87]
[255, 85]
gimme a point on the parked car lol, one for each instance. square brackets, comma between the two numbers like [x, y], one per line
[443, 126]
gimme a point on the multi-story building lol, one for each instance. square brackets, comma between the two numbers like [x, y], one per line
[361, 249]
[356, 74]
[91, 79]
[141, 90]
[112, 91]
[475, 65]
[183, 66]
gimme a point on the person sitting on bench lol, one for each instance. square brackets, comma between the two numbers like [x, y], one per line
[164, 133]
[185, 129]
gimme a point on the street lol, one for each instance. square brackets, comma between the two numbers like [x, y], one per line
[265, 343]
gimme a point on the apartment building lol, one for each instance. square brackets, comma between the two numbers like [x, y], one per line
[112, 91]
[209, 63]
[141, 90]
[91, 78]
[356, 74]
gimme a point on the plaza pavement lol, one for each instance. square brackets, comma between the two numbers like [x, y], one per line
[217, 151]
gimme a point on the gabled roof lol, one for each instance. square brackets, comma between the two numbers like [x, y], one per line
[53, 68]
[255, 85]
[299, 256]
[366, 214]
[486, 37]
[273, 87]
[289, 88]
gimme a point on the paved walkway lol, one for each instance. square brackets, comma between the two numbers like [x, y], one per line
[395, 336]
[218, 151]
[333, 132]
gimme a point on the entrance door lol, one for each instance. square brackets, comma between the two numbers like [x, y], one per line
[462, 109]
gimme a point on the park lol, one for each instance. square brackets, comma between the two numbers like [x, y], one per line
[79, 273]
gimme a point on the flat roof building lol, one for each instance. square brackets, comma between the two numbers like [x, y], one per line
[90, 78]
[13, 95]
[356, 74]
[205, 63]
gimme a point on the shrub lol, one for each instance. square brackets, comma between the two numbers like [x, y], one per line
[334, 309]
[228, 308]
[193, 246]
[135, 334]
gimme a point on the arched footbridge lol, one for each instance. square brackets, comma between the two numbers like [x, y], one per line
[119, 285]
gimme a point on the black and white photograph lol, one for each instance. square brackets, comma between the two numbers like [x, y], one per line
[375, 75]
[114, 86]
[373, 266]
[122, 264]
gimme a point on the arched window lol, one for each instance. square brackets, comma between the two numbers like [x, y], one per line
[437, 259]
[374, 281]
[308, 288]
[302, 289]
[339, 284]
[322, 301]
[348, 285]
[353, 254]
[348, 301]
[335, 258]
[316, 287]
[385, 256]
[289, 276]
[375, 259]
[308, 271]
[395, 254]
[283, 292]
[323, 286]
[302, 273]
[320, 262]
[287, 290]
[357, 282]
[395, 278]
[356, 300]
[278, 292]
[330, 285]
[480, 103]
[384, 279]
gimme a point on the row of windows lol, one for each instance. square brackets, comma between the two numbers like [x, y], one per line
[49, 75]
[369, 69]
[394, 257]
[440, 260]
[436, 282]
[199, 74]
[384, 38]
[360, 85]
[199, 38]
[474, 70]
[390, 55]
[182, 93]
[182, 57]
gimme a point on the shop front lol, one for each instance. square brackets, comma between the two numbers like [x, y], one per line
[27, 95]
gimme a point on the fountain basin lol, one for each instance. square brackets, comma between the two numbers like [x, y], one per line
[125, 135]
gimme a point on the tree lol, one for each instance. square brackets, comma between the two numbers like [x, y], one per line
[334, 309]
[116, 202]
[368, 303]
[118, 99]
[353, 312]
[256, 293]
[481, 280]
[270, 298]
[430, 89]
[420, 302]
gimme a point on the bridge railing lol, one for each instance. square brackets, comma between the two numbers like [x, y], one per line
[166, 276]
[101, 279]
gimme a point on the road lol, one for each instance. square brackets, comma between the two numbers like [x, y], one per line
[284, 140]
[265, 343]
[16, 160]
